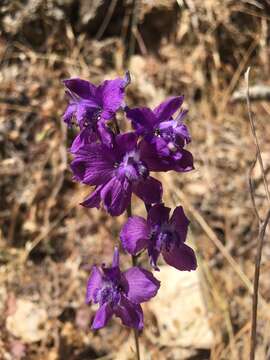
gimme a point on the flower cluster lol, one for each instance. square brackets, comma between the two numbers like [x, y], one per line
[119, 165]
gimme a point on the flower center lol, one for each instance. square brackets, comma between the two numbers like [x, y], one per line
[109, 293]
[175, 133]
[164, 236]
[91, 119]
[168, 133]
[132, 167]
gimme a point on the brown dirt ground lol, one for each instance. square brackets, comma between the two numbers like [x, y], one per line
[48, 242]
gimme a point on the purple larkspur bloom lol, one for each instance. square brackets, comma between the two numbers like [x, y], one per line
[116, 172]
[120, 293]
[164, 137]
[93, 106]
[160, 234]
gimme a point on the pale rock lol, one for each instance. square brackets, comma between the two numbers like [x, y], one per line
[180, 309]
[28, 322]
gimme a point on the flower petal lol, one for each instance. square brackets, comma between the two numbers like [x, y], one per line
[102, 316]
[156, 155]
[81, 114]
[127, 79]
[181, 256]
[168, 107]
[142, 285]
[180, 222]
[93, 164]
[134, 234]
[182, 134]
[153, 254]
[158, 214]
[105, 133]
[116, 196]
[111, 94]
[160, 147]
[143, 120]
[113, 272]
[93, 200]
[84, 110]
[67, 117]
[174, 133]
[180, 117]
[184, 163]
[93, 284]
[81, 87]
[115, 262]
[131, 314]
[85, 137]
[149, 190]
[126, 142]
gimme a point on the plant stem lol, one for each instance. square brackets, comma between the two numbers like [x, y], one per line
[253, 336]
[134, 20]
[254, 134]
[262, 225]
[134, 263]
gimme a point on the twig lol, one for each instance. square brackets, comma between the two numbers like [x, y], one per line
[13, 217]
[253, 130]
[213, 237]
[238, 73]
[262, 228]
[106, 20]
[140, 41]
[238, 335]
[251, 188]
[30, 246]
[256, 286]
[134, 21]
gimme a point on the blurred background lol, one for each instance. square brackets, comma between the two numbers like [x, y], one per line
[48, 242]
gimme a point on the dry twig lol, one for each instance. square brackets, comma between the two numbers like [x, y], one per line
[262, 227]
[106, 20]
[212, 236]
[253, 130]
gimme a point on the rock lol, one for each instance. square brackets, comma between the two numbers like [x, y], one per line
[180, 310]
[28, 322]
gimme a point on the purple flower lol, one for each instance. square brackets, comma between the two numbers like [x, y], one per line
[120, 293]
[116, 172]
[93, 106]
[159, 234]
[164, 137]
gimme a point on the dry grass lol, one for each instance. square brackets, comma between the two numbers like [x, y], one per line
[47, 240]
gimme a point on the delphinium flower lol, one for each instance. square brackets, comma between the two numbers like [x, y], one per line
[117, 172]
[120, 293]
[164, 137]
[119, 164]
[160, 234]
[93, 106]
